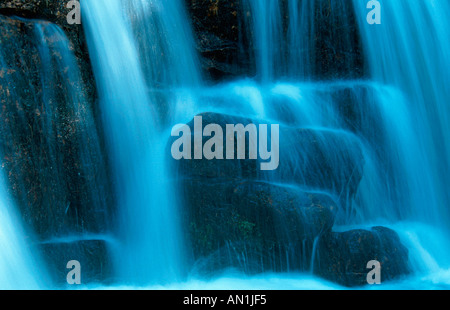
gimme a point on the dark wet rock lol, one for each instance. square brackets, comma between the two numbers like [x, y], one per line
[337, 49]
[92, 255]
[226, 40]
[343, 256]
[359, 110]
[50, 152]
[56, 12]
[254, 226]
[221, 41]
[239, 216]
[317, 159]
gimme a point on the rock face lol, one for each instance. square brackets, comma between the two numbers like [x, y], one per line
[228, 48]
[55, 12]
[337, 49]
[50, 151]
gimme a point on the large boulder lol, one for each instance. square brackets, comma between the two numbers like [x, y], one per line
[317, 159]
[343, 256]
[254, 226]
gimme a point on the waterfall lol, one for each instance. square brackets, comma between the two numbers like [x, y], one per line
[365, 120]
[50, 147]
[406, 93]
[164, 43]
[268, 36]
[407, 52]
[35, 123]
[399, 115]
[141, 72]
[286, 42]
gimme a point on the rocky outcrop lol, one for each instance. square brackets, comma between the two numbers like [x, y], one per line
[47, 119]
[224, 41]
[50, 148]
[56, 12]
[52, 11]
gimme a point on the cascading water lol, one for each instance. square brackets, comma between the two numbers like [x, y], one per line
[407, 52]
[377, 148]
[51, 147]
[285, 39]
[374, 127]
[405, 167]
[20, 266]
[405, 59]
[138, 68]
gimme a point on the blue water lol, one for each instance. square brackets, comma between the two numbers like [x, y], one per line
[21, 265]
[150, 247]
[148, 77]
[407, 53]
[20, 268]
